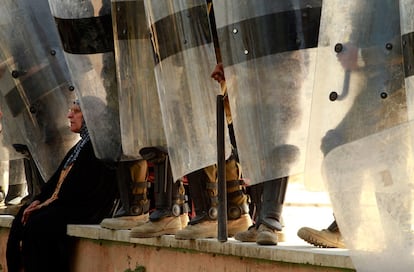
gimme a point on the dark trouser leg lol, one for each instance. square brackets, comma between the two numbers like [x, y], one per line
[272, 204]
[255, 192]
[269, 222]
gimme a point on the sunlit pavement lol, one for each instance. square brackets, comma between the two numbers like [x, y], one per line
[304, 208]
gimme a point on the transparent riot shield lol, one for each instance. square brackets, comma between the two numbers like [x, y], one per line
[407, 37]
[34, 81]
[268, 51]
[359, 80]
[371, 181]
[85, 29]
[185, 59]
[139, 104]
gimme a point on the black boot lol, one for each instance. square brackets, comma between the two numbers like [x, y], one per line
[255, 191]
[269, 221]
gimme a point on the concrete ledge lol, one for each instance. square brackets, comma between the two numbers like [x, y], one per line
[6, 221]
[98, 249]
[283, 252]
[114, 249]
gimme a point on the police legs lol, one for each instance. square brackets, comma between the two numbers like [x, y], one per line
[269, 221]
[203, 190]
[133, 187]
[171, 210]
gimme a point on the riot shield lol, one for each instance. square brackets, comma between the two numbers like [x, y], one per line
[185, 57]
[359, 78]
[85, 29]
[268, 52]
[371, 181]
[34, 81]
[407, 38]
[139, 105]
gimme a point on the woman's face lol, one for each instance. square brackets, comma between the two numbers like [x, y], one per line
[75, 117]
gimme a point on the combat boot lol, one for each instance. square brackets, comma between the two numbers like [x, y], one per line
[326, 238]
[164, 221]
[204, 229]
[250, 235]
[171, 208]
[269, 220]
[133, 186]
[163, 226]
[202, 185]
[237, 200]
[203, 189]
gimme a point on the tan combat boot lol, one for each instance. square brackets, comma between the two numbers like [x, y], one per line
[204, 229]
[327, 238]
[166, 225]
[203, 184]
[139, 204]
[250, 235]
[238, 206]
[266, 236]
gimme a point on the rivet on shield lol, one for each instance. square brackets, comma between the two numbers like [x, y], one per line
[71, 88]
[246, 52]
[384, 95]
[338, 47]
[333, 96]
[235, 31]
[388, 46]
[52, 52]
[15, 74]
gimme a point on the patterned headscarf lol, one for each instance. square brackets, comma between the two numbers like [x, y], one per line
[84, 134]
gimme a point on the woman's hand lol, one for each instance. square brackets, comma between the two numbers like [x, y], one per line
[28, 211]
